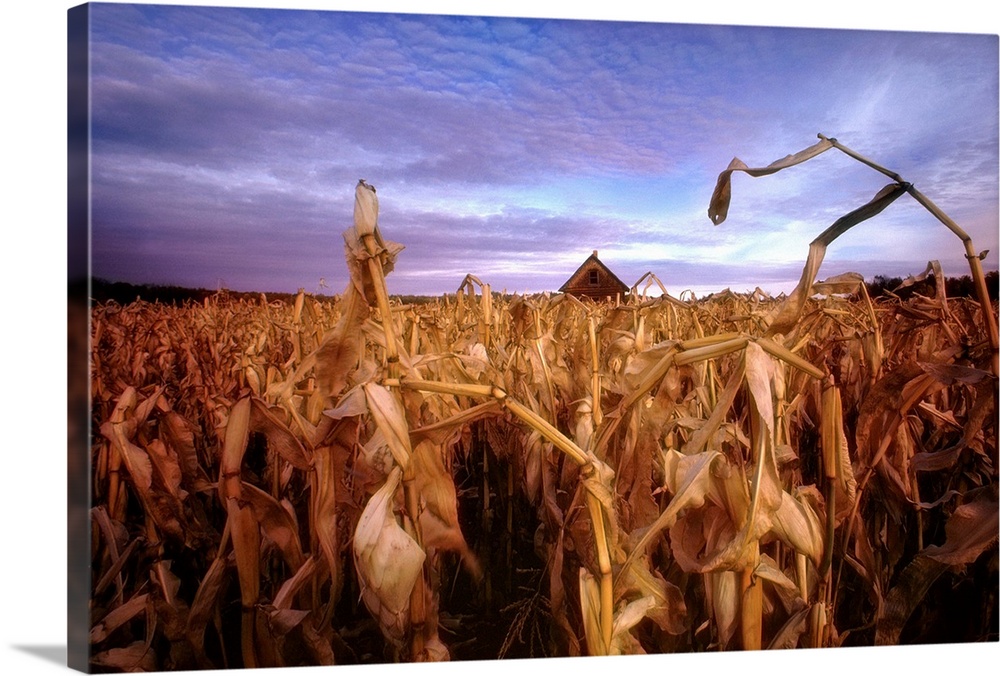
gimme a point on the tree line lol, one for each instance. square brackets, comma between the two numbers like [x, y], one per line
[955, 287]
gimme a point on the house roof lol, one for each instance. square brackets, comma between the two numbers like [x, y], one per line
[610, 280]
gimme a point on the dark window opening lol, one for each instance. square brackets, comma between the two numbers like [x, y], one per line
[593, 277]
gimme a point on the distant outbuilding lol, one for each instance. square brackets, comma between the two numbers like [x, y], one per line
[594, 280]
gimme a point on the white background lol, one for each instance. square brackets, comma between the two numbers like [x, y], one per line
[33, 328]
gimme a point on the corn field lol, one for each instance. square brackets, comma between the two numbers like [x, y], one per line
[484, 476]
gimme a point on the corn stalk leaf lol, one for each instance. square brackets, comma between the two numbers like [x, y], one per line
[439, 525]
[390, 418]
[276, 523]
[388, 562]
[690, 480]
[118, 617]
[718, 207]
[204, 603]
[590, 606]
[971, 530]
[340, 353]
[137, 656]
[791, 309]
[279, 438]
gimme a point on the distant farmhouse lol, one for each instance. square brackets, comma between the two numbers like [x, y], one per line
[594, 280]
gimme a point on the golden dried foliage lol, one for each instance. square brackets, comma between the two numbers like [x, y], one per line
[682, 475]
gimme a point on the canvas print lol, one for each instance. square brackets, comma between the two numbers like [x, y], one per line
[398, 337]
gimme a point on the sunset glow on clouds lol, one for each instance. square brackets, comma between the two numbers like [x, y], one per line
[226, 144]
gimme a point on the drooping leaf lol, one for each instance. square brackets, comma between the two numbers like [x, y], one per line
[340, 352]
[845, 283]
[279, 437]
[179, 434]
[276, 523]
[327, 478]
[699, 536]
[137, 656]
[204, 605]
[718, 207]
[391, 420]
[970, 530]
[791, 631]
[118, 617]
[439, 524]
[668, 610]
[167, 468]
[791, 309]
[724, 592]
[933, 269]
[799, 526]
[689, 479]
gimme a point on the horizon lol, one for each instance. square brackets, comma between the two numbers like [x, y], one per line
[651, 292]
[226, 143]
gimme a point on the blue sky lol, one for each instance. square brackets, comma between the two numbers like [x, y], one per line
[226, 144]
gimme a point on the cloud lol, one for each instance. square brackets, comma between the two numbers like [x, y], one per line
[227, 142]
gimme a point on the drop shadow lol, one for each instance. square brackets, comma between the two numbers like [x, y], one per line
[50, 653]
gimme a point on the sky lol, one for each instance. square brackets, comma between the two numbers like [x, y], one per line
[226, 143]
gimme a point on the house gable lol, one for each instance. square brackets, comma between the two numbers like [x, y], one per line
[594, 280]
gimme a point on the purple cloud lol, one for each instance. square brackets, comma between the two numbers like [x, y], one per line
[226, 144]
